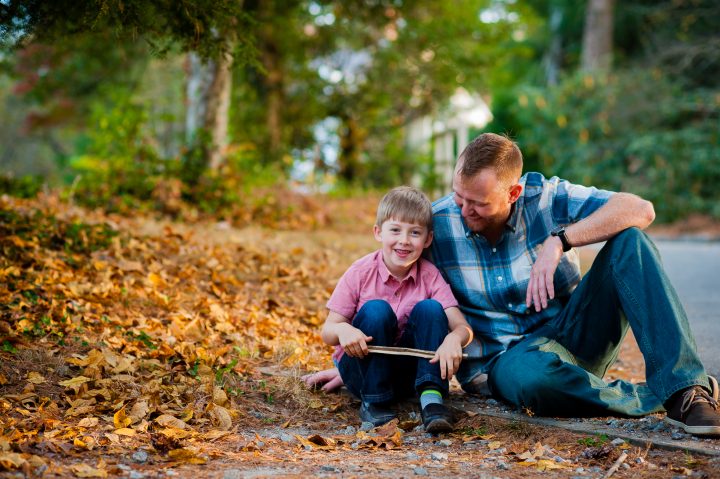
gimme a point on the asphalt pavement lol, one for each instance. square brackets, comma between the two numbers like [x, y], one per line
[694, 269]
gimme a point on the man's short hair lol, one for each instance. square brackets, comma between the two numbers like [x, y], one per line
[406, 204]
[492, 151]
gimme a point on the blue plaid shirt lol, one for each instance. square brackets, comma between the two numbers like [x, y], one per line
[490, 282]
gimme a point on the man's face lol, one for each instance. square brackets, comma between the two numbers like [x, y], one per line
[485, 200]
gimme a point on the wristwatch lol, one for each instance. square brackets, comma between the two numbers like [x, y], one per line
[560, 233]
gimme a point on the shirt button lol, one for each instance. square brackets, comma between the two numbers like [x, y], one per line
[509, 305]
[494, 250]
[499, 278]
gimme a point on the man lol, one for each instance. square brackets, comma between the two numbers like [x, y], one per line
[544, 338]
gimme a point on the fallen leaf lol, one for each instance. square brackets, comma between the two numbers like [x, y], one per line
[88, 422]
[75, 383]
[120, 420]
[83, 470]
[221, 417]
[125, 431]
[186, 455]
[170, 421]
[11, 460]
[35, 378]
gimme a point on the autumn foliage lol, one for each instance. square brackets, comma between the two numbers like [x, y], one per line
[122, 332]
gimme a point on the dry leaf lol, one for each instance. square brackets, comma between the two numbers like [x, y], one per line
[170, 421]
[221, 417]
[83, 470]
[120, 420]
[186, 455]
[75, 383]
[35, 378]
[125, 431]
[138, 411]
[11, 460]
[88, 422]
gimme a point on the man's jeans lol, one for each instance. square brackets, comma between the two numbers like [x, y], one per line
[558, 370]
[379, 378]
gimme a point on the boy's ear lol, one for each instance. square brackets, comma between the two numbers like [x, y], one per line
[428, 240]
[376, 232]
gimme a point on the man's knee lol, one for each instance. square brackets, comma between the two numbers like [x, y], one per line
[526, 381]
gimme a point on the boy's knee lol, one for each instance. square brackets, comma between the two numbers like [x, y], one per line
[375, 315]
[429, 307]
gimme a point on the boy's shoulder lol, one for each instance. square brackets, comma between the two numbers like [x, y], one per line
[426, 269]
[365, 263]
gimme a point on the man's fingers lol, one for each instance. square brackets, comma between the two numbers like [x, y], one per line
[550, 284]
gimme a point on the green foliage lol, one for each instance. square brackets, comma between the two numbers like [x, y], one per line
[593, 441]
[635, 130]
[23, 187]
[117, 159]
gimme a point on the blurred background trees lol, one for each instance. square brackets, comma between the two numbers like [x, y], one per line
[132, 103]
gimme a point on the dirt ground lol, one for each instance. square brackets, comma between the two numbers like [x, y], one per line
[281, 429]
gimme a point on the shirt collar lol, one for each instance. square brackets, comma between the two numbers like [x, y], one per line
[385, 272]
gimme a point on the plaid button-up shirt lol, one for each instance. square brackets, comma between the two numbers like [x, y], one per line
[490, 281]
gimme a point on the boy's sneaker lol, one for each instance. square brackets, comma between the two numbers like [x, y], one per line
[697, 411]
[375, 414]
[437, 418]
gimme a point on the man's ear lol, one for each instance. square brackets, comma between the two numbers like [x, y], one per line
[376, 232]
[514, 192]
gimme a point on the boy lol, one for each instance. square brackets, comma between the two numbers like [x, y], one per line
[392, 297]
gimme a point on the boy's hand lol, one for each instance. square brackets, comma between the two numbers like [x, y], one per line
[327, 380]
[449, 355]
[354, 341]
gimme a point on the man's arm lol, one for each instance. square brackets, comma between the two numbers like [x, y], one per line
[622, 211]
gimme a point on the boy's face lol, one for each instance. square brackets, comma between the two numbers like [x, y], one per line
[402, 244]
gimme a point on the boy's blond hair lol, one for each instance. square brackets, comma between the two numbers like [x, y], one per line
[407, 204]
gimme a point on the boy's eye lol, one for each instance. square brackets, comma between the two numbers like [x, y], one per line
[415, 233]
[394, 230]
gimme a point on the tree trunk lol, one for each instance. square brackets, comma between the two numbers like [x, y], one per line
[598, 36]
[351, 140]
[273, 80]
[208, 105]
[553, 57]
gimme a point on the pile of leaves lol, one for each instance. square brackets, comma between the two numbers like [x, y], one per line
[112, 340]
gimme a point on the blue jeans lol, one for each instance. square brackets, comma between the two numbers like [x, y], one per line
[379, 378]
[558, 370]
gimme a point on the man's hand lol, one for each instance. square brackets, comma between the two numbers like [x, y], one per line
[541, 286]
[329, 378]
[354, 341]
[449, 355]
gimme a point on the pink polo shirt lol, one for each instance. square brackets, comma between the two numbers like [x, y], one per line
[368, 278]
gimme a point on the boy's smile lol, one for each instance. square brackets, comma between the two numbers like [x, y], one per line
[402, 244]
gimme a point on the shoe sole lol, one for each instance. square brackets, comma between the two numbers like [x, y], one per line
[438, 425]
[695, 430]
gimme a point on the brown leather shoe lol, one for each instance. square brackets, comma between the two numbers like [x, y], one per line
[697, 411]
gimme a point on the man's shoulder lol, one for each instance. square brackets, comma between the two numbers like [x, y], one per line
[427, 269]
[444, 204]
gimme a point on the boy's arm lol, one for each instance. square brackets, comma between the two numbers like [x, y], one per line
[449, 354]
[338, 330]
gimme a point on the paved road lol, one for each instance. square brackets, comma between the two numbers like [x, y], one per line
[694, 269]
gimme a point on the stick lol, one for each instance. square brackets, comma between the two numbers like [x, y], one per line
[616, 466]
[395, 351]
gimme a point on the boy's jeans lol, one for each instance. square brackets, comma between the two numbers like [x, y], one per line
[558, 370]
[378, 378]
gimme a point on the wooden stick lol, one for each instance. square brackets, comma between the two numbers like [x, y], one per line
[616, 466]
[395, 351]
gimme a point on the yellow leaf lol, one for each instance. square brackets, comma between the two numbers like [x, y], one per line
[35, 378]
[77, 442]
[174, 433]
[549, 465]
[120, 420]
[495, 445]
[3, 380]
[156, 280]
[83, 470]
[125, 431]
[75, 383]
[186, 455]
[315, 403]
